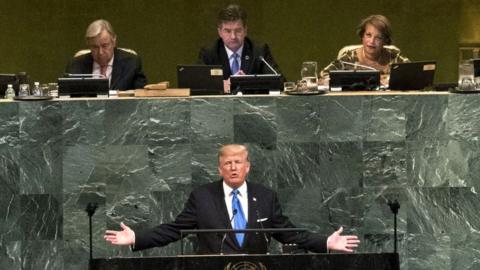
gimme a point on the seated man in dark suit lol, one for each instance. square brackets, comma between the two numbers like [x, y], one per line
[232, 203]
[234, 50]
[123, 68]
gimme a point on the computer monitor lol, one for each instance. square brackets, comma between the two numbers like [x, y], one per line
[348, 80]
[83, 86]
[412, 75]
[201, 79]
[256, 84]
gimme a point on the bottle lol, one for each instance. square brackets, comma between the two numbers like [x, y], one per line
[37, 91]
[9, 93]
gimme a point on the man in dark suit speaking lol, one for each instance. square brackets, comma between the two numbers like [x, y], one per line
[232, 203]
[237, 54]
[121, 66]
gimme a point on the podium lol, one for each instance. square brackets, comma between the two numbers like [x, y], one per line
[361, 261]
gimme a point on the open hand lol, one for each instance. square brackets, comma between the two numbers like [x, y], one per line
[346, 243]
[125, 237]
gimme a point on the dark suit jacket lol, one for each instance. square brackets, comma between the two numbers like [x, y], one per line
[251, 63]
[206, 209]
[127, 72]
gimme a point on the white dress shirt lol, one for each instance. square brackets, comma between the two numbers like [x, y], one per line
[242, 196]
[239, 58]
[108, 73]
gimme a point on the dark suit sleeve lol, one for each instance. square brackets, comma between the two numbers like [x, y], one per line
[202, 57]
[260, 67]
[79, 65]
[267, 55]
[167, 233]
[139, 79]
[305, 240]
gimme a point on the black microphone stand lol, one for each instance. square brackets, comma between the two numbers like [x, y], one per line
[91, 208]
[394, 206]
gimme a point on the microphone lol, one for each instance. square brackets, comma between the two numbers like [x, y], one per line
[261, 220]
[90, 209]
[268, 65]
[356, 65]
[225, 234]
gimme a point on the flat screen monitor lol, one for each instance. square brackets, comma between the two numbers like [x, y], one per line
[201, 79]
[412, 75]
[5, 80]
[256, 84]
[83, 86]
[350, 80]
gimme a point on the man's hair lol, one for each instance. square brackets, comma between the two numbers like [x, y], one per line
[232, 13]
[238, 148]
[381, 23]
[96, 27]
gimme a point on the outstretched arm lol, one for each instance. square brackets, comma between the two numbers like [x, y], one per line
[339, 242]
[125, 237]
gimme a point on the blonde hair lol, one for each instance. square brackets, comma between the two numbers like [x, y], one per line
[237, 148]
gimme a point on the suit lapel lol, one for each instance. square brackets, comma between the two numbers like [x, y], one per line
[117, 70]
[225, 61]
[247, 57]
[223, 214]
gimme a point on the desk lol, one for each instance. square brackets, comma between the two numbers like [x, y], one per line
[254, 262]
[333, 159]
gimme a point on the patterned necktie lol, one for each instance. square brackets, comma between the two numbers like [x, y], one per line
[103, 70]
[235, 66]
[239, 220]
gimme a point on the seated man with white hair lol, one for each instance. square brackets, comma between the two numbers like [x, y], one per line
[122, 67]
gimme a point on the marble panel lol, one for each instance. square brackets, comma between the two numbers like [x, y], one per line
[9, 171]
[41, 217]
[211, 120]
[42, 255]
[384, 118]
[307, 119]
[168, 122]
[9, 124]
[84, 122]
[10, 214]
[254, 122]
[463, 118]
[384, 163]
[10, 254]
[126, 121]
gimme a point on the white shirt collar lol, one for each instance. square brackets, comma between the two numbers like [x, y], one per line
[230, 52]
[227, 190]
[110, 63]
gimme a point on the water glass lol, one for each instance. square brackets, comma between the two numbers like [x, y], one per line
[466, 80]
[310, 75]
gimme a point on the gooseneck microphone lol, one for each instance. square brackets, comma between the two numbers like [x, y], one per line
[90, 209]
[225, 234]
[356, 65]
[268, 65]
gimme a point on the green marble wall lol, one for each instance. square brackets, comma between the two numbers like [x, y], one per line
[39, 37]
[334, 160]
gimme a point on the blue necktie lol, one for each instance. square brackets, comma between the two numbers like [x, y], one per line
[239, 220]
[235, 66]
